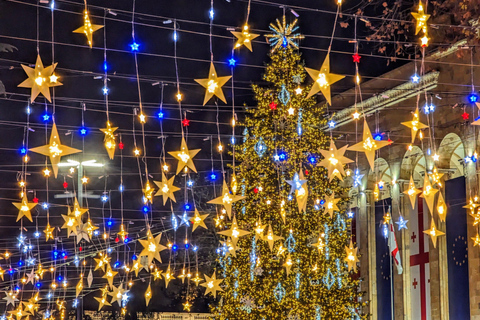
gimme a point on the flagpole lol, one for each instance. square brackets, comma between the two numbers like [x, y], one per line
[391, 284]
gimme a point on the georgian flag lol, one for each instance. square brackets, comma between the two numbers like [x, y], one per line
[392, 245]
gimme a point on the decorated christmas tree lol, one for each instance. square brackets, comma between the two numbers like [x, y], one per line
[287, 252]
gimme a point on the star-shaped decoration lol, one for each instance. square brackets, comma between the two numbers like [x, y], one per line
[229, 248]
[323, 80]
[19, 313]
[476, 217]
[356, 58]
[441, 207]
[134, 46]
[234, 232]
[260, 228]
[387, 217]
[421, 18]
[415, 125]
[183, 275]
[48, 232]
[102, 301]
[10, 297]
[428, 193]
[138, 266]
[55, 150]
[273, 105]
[320, 244]
[433, 232]
[334, 161]
[109, 275]
[331, 204]
[196, 279]
[351, 257]
[301, 194]
[424, 41]
[212, 285]
[123, 234]
[71, 223]
[186, 122]
[369, 145]
[166, 188]
[102, 262]
[184, 157]
[79, 287]
[91, 228]
[31, 306]
[82, 231]
[31, 277]
[117, 294]
[465, 116]
[40, 271]
[186, 304]
[40, 79]
[472, 205]
[232, 62]
[270, 238]
[244, 38]
[24, 208]
[412, 192]
[226, 199]
[296, 183]
[109, 140]
[157, 274]
[213, 85]
[476, 240]
[88, 28]
[283, 35]
[402, 223]
[298, 91]
[168, 275]
[152, 247]
[148, 191]
[198, 220]
[288, 263]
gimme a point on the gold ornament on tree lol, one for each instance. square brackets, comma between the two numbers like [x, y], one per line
[331, 204]
[40, 79]
[198, 220]
[284, 34]
[351, 257]
[234, 232]
[213, 85]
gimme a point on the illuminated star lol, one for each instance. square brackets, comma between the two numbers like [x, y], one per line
[79, 286]
[117, 294]
[334, 161]
[428, 193]
[412, 192]
[270, 238]
[157, 274]
[298, 90]
[24, 208]
[71, 223]
[88, 29]
[39, 79]
[148, 191]
[102, 262]
[369, 145]
[197, 279]
[31, 277]
[441, 207]
[433, 232]
[234, 232]
[320, 244]
[425, 40]
[356, 58]
[55, 150]
[212, 285]
[226, 199]
[244, 38]
[421, 18]
[296, 183]
[31, 306]
[77, 210]
[187, 306]
[415, 125]
[19, 313]
[109, 140]
[351, 257]
[323, 80]
[166, 188]
[186, 122]
[109, 274]
[82, 231]
[331, 204]
[229, 248]
[198, 220]
[476, 240]
[152, 247]
[288, 263]
[10, 297]
[402, 223]
[213, 85]
[168, 275]
[184, 157]
[283, 34]
[102, 301]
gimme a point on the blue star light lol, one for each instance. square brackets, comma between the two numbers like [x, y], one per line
[46, 117]
[134, 46]
[331, 124]
[232, 62]
[402, 223]
[105, 91]
[415, 78]
[83, 131]
[190, 183]
[473, 98]
[160, 115]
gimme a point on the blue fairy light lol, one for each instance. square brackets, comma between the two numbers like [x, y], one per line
[134, 46]
[232, 62]
[46, 117]
[473, 98]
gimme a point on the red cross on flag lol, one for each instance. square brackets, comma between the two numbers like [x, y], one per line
[393, 247]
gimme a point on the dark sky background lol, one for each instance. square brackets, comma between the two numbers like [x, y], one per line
[77, 67]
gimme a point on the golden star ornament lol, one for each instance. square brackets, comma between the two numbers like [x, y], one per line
[415, 125]
[421, 18]
[433, 232]
[40, 79]
[148, 294]
[226, 199]
[323, 80]
[109, 140]
[24, 207]
[198, 220]
[48, 232]
[334, 161]
[55, 150]
[441, 207]
[351, 257]
[109, 275]
[117, 294]
[184, 157]
[212, 285]
[102, 301]
[88, 28]
[369, 145]
[331, 204]
[288, 264]
[428, 193]
[168, 275]
[166, 188]
[213, 85]
[152, 247]
[412, 192]
[79, 286]
[234, 232]
[244, 38]
[270, 238]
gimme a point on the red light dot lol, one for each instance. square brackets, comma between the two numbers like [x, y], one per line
[306, 172]
[116, 239]
[35, 200]
[80, 249]
[120, 145]
[255, 190]
[65, 185]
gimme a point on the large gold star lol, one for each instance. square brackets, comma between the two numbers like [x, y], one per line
[334, 161]
[168, 275]
[184, 157]
[40, 79]
[369, 145]
[19, 313]
[109, 140]
[212, 285]
[152, 247]
[24, 208]
[102, 301]
[166, 188]
[412, 192]
[157, 274]
[234, 232]
[213, 85]
[77, 210]
[32, 306]
[421, 18]
[102, 262]
[476, 240]
[323, 80]
[415, 124]
[109, 274]
[351, 257]
[88, 28]
[71, 223]
[244, 38]
[226, 199]
[48, 232]
[55, 150]
[428, 193]
[331, 204]
[270, 238]
[198, 220]
[117, 294]
[138, 266]
[229, 248]
[433, 232]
